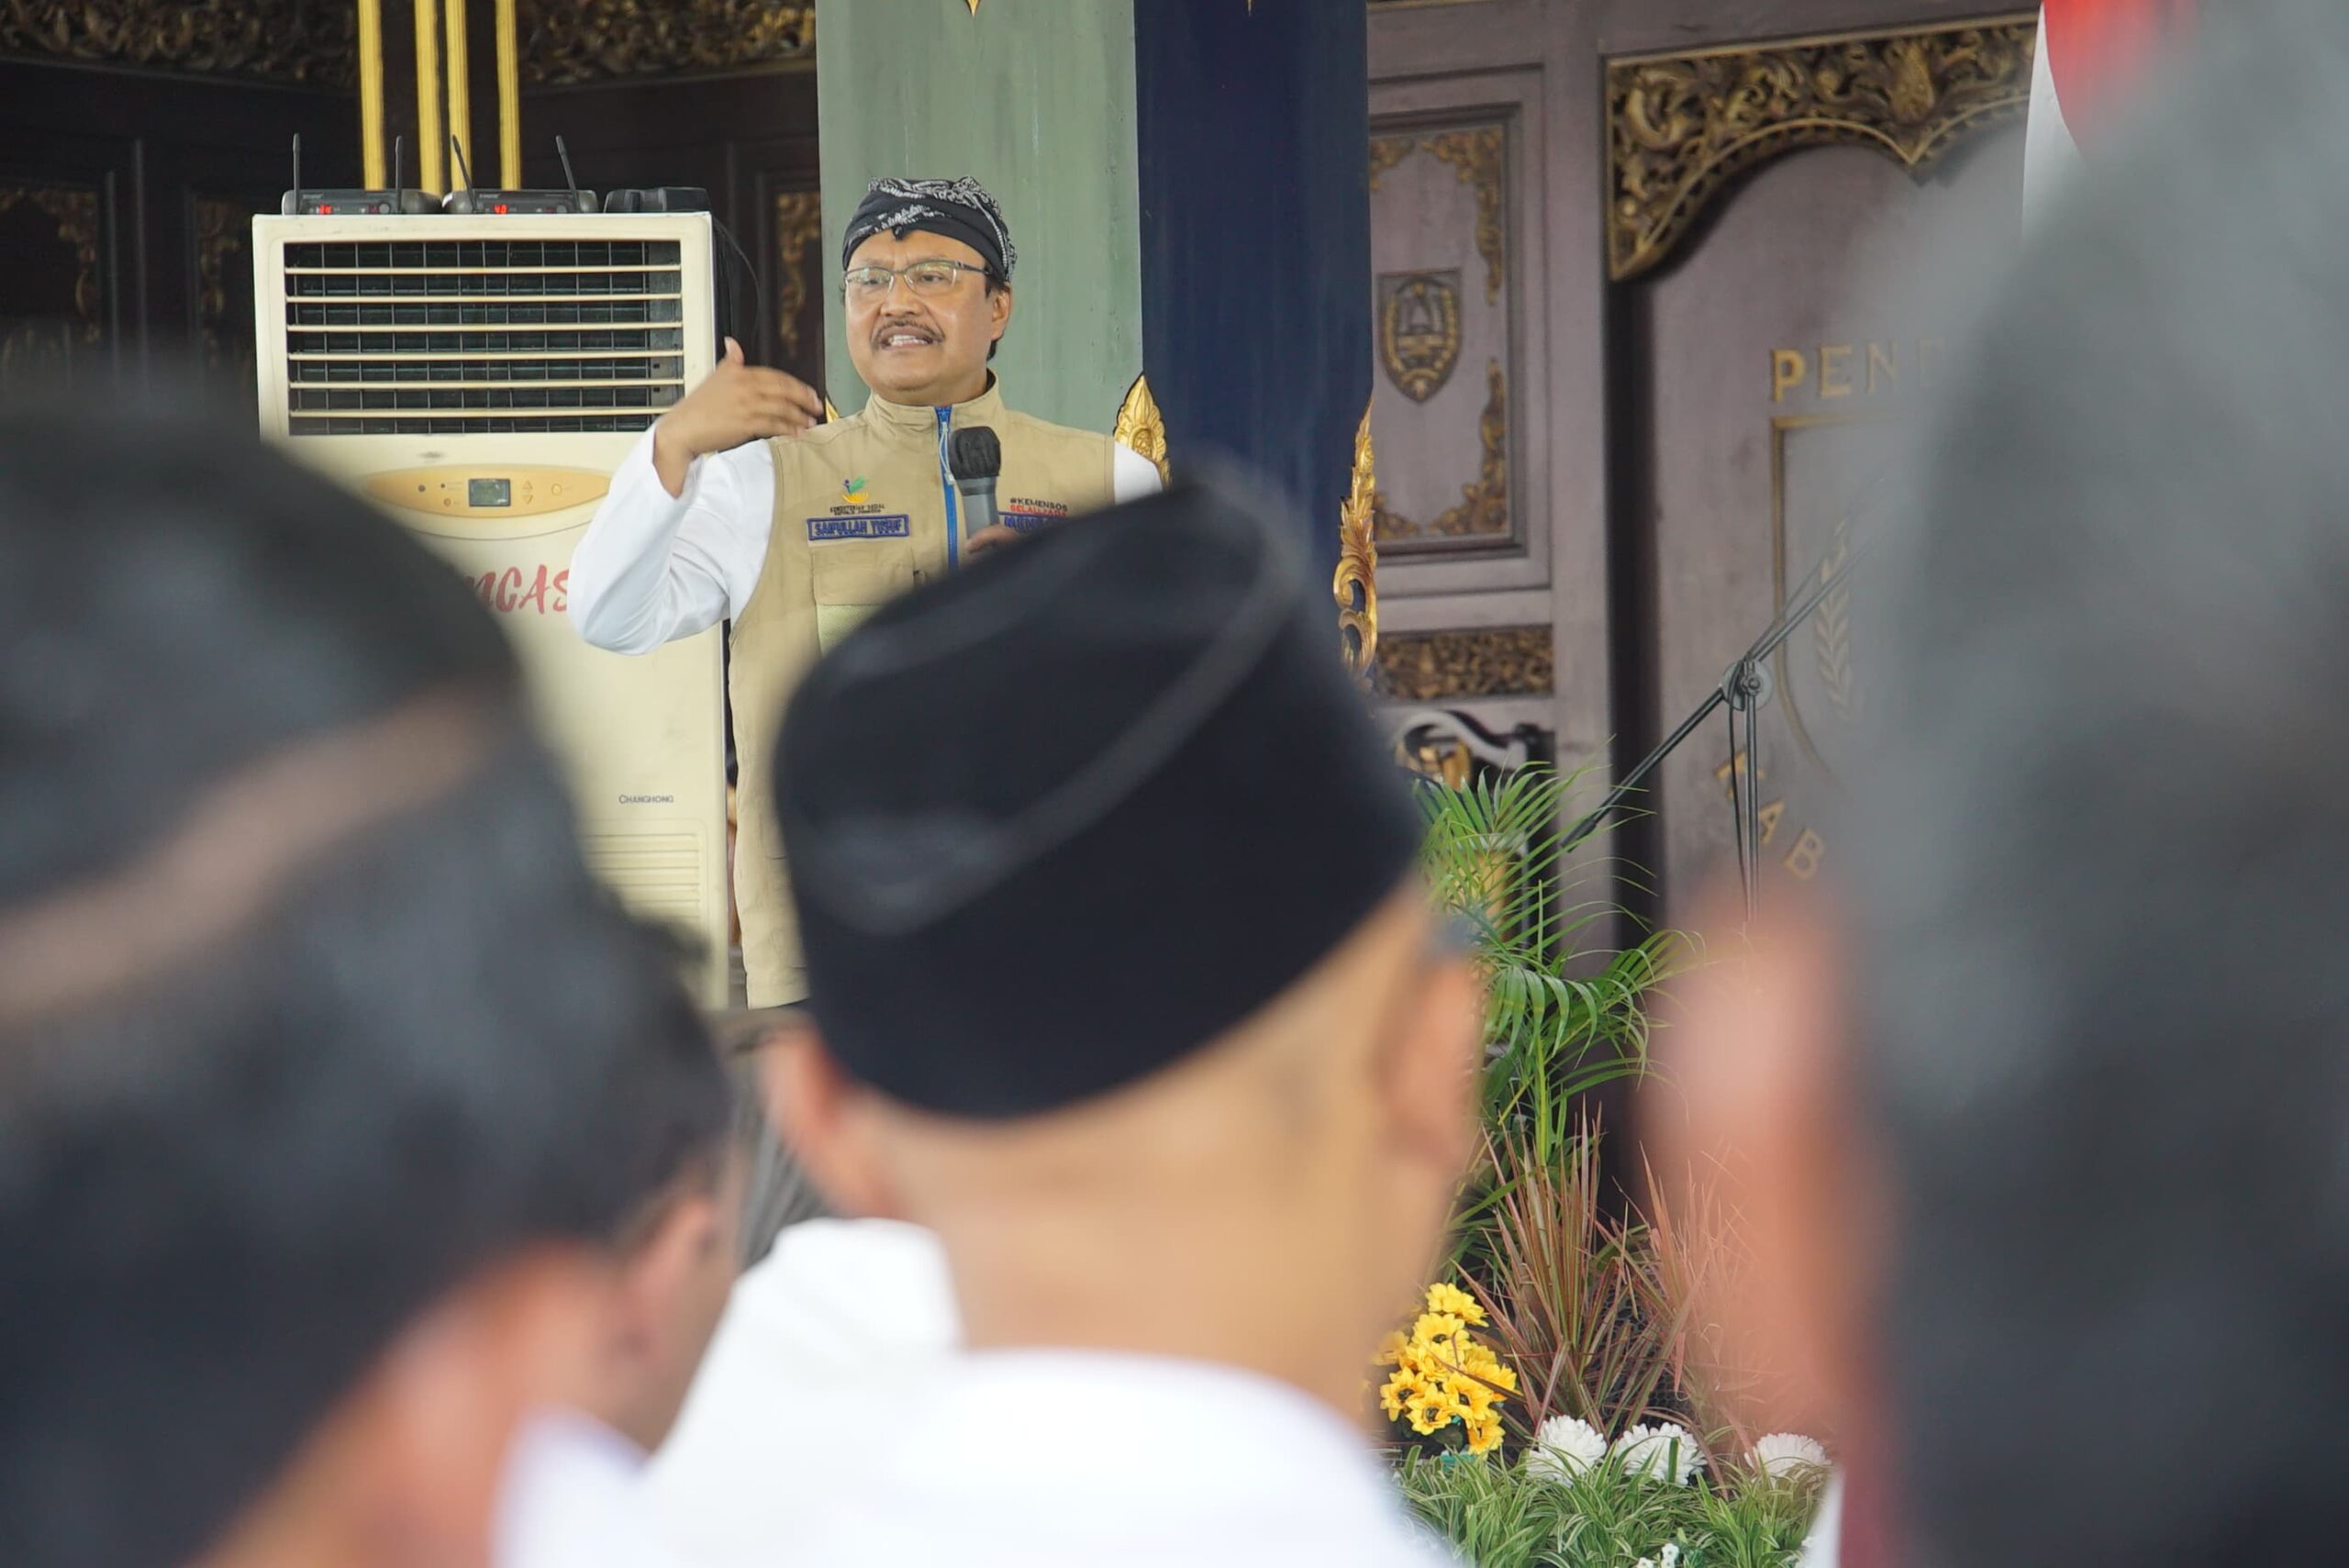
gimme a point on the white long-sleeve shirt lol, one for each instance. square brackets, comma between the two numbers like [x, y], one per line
[1081, 1458]
[573, 1497]
[826, 1340]
[654, 567]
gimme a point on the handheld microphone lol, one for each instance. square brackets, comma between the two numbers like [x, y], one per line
[975, 456]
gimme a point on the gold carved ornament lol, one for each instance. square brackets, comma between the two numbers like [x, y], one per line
[1477, 155]
[1680, 129]
[75, 212]
[1484, 504]
[1139, 426]
[798, 225]
[220, 230]
[1386, 151]
[567, 41]
[1490, 661]
[1356, 585]
[276, 40]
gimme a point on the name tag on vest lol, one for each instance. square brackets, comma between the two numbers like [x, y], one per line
[1020, 519]
[822, 528]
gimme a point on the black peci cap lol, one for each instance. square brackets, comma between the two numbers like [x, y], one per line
[1077, 810]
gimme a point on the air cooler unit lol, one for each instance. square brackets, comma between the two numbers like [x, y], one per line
[480, 378]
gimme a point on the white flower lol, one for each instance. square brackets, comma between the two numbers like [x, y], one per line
[1782, 1455]
[1662, 1452]
[1563, 1447]
[1670, 1558]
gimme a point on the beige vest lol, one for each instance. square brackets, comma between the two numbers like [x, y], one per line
[861, 514]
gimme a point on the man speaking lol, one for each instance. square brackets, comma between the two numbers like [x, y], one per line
[799, 537]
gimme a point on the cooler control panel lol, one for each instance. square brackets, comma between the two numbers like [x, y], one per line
[483, 495]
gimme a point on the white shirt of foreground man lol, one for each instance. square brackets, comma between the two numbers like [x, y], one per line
[828, 1341]
[1182, 1197]
[1090, 1459]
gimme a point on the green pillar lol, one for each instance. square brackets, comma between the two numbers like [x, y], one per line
[1036, 98]
[1188, 184]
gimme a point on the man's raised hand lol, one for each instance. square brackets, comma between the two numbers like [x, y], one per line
[734, 404]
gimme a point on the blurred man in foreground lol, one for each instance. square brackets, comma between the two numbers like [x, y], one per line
[2055, 1095]
[1123, 983]
[316, 1037]
[577, 1494]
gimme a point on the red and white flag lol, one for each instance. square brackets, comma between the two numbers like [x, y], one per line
[2092, 55]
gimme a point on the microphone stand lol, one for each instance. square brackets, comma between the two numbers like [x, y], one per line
[1742, 690]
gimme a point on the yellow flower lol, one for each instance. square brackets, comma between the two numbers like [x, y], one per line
[1432, 1411]
[1443, 1374]
[1437, 1327]
[1457, 1303]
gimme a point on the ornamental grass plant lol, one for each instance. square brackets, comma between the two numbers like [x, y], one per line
[1596, 1308]
[1498, 1515]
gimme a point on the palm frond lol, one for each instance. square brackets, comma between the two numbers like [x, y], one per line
[1561, 1018]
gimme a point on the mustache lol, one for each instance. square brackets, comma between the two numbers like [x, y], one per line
[885, 329]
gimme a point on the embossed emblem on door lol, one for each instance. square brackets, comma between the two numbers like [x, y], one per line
[1418, 330]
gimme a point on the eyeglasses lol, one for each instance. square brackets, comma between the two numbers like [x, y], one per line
[871, 286]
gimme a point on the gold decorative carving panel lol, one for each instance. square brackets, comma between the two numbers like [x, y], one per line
[1441, 221]
[1493, 661]
[566, 41]
[1355, 585]
[75, 212]
[53, 294]
[1484, 502]
[1477, 156]
[798, 229]
[1682, 129]
[220, 230]
[305, 41]
[224, 304]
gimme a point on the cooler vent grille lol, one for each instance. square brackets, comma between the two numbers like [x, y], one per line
[658, 875]
[450, 336]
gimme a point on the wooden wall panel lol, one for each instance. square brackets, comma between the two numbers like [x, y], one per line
[1440, 261]
[56, 288]
[1789, 349]
[180, 159]
[170, 169]
[1641, 466]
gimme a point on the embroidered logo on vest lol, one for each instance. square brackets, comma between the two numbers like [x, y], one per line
[820, 529]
